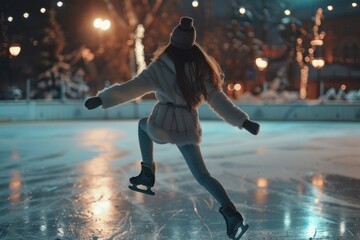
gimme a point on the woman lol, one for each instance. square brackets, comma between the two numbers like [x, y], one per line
[182, 75]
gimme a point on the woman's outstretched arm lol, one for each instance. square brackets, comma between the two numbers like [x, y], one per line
[138, 86]
[226, 110]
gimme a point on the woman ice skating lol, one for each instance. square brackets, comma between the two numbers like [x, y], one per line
[183, 76]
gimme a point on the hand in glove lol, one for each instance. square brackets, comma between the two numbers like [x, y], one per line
[93, 102]
[251, 127]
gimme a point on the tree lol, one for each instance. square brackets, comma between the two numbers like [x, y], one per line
[58, 75]
[51, 44]
[237, 49]
[130, 17]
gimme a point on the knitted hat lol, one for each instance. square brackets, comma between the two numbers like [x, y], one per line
[184, 35]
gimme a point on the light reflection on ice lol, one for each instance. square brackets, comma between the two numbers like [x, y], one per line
[262, 182]
[261, 192]
[15, 186]
[98, 193]
[342, 227]
[312, 225]
[318, 181]
[97, 185]
[287, 219]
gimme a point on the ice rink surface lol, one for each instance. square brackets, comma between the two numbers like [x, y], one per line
[69, 180]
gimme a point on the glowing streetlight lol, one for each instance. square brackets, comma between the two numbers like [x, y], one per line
[195, 3]
[237, 87]
[105, 25]
[42, 10]
[330, 8]
[319, 63]
[242, 10]
[14, 50]
[287, 12]
[26, 15]
[10, 19]
[59, 4]
[261, 63]
[97, 23]
[102, 24]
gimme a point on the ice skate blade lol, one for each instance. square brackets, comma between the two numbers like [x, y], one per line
[148, 191]
[240, 231]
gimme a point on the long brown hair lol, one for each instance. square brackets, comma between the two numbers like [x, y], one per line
[204, 68]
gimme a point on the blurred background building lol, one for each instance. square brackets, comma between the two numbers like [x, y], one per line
[281, 49]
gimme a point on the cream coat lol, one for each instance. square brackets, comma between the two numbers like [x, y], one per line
[166, 123]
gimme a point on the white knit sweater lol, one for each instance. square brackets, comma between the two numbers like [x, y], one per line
[166, 123]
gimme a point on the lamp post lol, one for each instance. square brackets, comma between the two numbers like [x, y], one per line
[319, 63]
[261, 64]
[102, 25]
[15, 49]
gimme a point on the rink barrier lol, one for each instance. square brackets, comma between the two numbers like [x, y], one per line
[75, 110]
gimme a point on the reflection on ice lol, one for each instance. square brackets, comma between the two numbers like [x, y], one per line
[15, 186]
[312, 225]
[318, 181]
[262, 182]
[72, 183]
[342, 227]
[287, 219]
[97, 194]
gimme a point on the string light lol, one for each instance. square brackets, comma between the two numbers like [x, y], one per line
[195, 3]
[330, 8]
[10, 19]
[26, 15]
[237, 87]
[59, 4]
[139, 48]
[304, 70]
[261, 63]
[354, 4]
[304, 76]
[42, 10]
[287, 12]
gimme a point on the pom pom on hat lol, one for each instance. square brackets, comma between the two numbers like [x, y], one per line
[184, 35]
[186, 22]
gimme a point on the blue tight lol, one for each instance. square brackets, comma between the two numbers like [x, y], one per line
[194, 160]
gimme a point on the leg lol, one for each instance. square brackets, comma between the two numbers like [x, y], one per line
[234, 221]
[194, 160]
[147, 175]
[146, 144]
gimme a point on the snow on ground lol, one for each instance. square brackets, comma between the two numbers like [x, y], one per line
[69, 180]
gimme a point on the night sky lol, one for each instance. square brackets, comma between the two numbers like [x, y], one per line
[76, 16]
